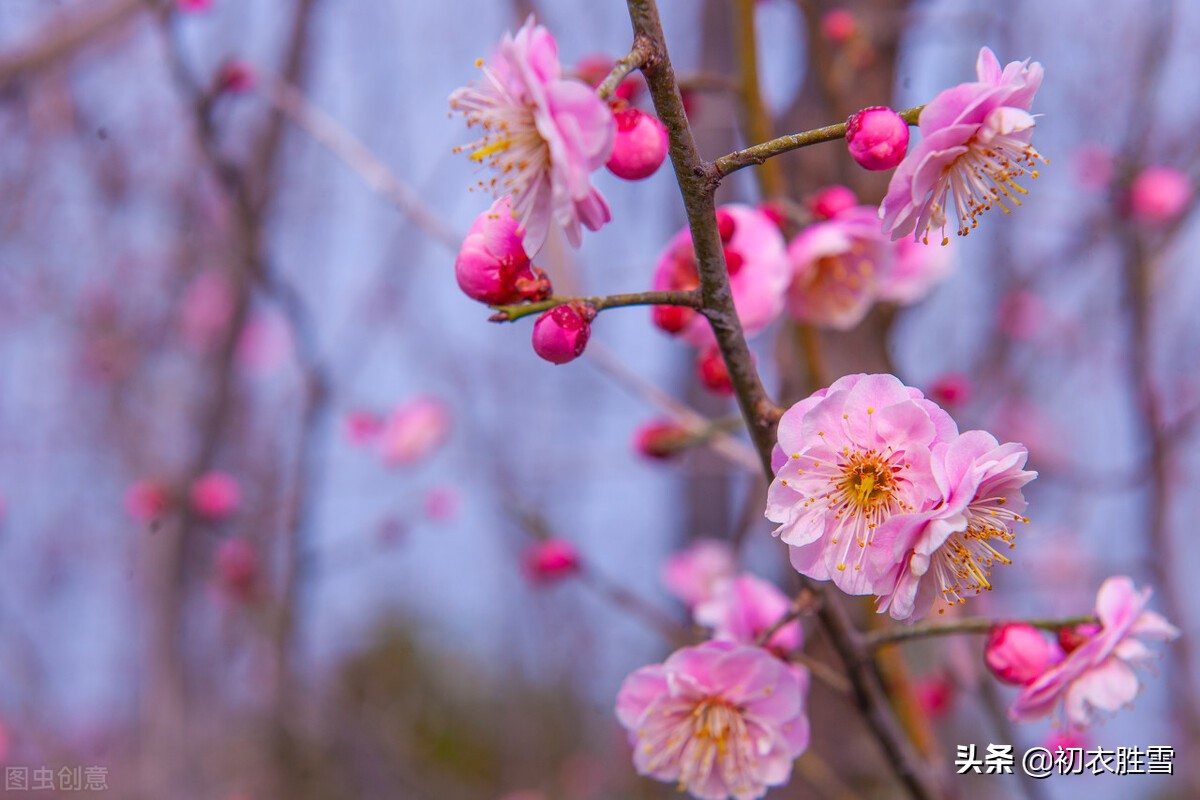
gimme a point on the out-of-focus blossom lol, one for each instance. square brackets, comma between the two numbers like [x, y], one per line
[951, 389]
[561, 333]
[719, 720]
[839, 25]
[713, 372]
[266, 343]
[694, 573]
[1159, 194]
[543, 134]
[640, 146]
[1064, 739]
[147, 499]
[756, 258]
[235, 76]
[851, 458]
[492, 266]
[934, 695]
[1071, 637]
[946, 553]
[236, 569]
[1020, 654]
[776, 212]
[1023, 315]
[593, 69]
[835, 268]
[744, 608]
[362, 427]
[550, 560]
[975, 146]
[831, 201]
[413, 431]
[206, 309]
[661, 439]
[1098, 676]
[877, 138]
[915, 268]
[194, 5]
[1095, 165]
[442, 503]
[215, 495]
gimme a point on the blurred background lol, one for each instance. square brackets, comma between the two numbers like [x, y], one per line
[269, 483]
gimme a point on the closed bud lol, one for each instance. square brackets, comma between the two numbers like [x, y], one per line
[1020, 654]
[1159, 194]
[550, 560]
[713, 373]
[672, 319]
[640, 146]
[877, 138]
[492, 266]
[561, 334]
[839, 25]
[661, 439]
[215, 495]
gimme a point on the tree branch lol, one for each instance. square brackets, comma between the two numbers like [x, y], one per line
[637, 57]
[973, 625]
[518, 310]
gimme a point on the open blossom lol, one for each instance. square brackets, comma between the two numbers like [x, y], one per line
[694, 573]
[851, 458]
[1098, 675]
[413, 431]
[543, 134]
[947, 552]
[975, 146]
[719, 720]
[756, 258]
[915, 268]
[743, 608]
[835, 269]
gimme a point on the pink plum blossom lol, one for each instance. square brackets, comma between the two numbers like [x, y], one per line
[194, 5]
[492, 266]
[550, 560]
[839, 25]
[946, 552]
[743, 608]
[561, 333]
[951, 389]
[1019, 654]
[756, 258]
[640, 146]
[215, 495]
[849, 459]
[694, 573]
[1098, 676]
[413, 431]
[362, 427]
[147, 499]
[1159, 194]
[975, 145]
[877, 138]
[719, 720]
[914, 269]
[713, 372]
[831, 201]
[835, 268]
[543, 134]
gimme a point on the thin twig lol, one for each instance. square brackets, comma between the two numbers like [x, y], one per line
[972, 625]
[65, 34]
[599, 303]
[759, 153]
[635, 60]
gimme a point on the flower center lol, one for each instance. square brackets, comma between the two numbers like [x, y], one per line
[719, 740]
[963, 564]
[865, 490]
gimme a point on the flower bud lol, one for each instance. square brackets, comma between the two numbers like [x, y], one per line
[561, 334]
[1020, 654]
[661, 439]
[726, 225]
[951, 389]
[671, 319]
[839, 25]
[1159, 194]
[492, 266]
[147, 499]
[235, 76]
[361, 426]
[550, 560]
[776, 212]
[877, 138]
[215, 495]
[640, 145]
[593, 69]
[831, 201]
[1071, 638]
[713, 373]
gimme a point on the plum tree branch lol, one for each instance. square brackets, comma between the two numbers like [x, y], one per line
[972, 625]
[600, 303]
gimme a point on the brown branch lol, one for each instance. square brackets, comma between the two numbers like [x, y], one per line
[64, 35]
[972, 625]
[759, 153]
[635, 60]
[600, 303]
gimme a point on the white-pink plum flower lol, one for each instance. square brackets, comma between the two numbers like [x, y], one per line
[542, 133]
[975, 146]
[413, 431]
[947, 552]
[849, 459]
[756, 258]
[720, 720]
[915, 268]
[1098, 675]
[694, 573]
[742, 609]
[836, 266]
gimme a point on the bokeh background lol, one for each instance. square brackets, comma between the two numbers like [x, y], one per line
[243, 269]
